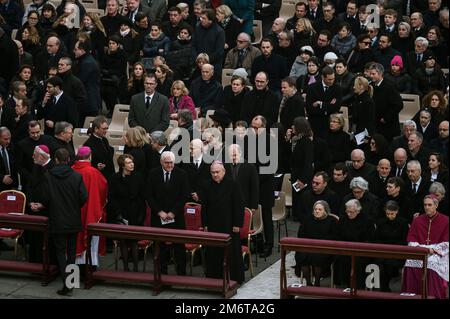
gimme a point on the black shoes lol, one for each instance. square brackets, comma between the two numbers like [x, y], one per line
[266, 253]
[65, 291]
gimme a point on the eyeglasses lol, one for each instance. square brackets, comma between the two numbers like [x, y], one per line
[366, 43]
[241, 41]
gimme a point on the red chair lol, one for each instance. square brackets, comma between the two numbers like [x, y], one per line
[12, 202]
[193, 221]
[245, 234]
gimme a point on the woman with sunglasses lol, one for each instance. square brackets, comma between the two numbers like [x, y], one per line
[360, 55]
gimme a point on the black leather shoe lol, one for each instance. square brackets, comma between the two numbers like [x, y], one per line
[266, 253]
[65, 291]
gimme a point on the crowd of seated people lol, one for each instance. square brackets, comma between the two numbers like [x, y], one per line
[165, 60]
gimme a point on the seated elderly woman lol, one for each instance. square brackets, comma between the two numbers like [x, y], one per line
[319, 225]
[353, 226]
[369, 202]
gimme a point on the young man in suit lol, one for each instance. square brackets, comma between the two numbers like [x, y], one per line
[57, 106]
[167, 194]
[149, 109]
[388, 103]
[322, 99]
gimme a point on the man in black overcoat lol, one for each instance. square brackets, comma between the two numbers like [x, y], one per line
[168, 191]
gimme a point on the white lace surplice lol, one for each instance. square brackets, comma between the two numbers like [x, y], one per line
[435, 262]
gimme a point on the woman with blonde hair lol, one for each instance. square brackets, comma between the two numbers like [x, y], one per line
[230, 24]
[92, 25]
[135, 142]
[303, 33]
[31, 40]
[164, 79]
[180, 99]
[363, 107]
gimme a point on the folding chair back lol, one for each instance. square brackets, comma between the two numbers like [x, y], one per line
[411, 105]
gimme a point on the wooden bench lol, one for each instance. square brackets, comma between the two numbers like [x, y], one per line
[33, 223]
[158, 281]
[353, 250]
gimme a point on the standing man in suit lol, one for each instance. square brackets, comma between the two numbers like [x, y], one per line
[149, 109]
[25, 150]
[417, 187]
[245, 175]
[102, 153]
[57, 106]
[197, 169]
[322, 99]
[8, 174]
[167, 194]
[388, 103]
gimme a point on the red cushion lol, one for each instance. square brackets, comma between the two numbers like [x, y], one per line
[191, 246]
[144, 243]
[13, 233]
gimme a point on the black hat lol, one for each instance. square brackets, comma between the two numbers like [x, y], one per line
[429, 56]
[127, 22]
[221, 116]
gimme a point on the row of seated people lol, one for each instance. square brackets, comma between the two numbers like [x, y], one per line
[391, 228]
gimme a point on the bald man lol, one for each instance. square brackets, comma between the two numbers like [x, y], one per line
[49, 57]
[359, 167]
[223, 212]
[206, 91]
[378, 180]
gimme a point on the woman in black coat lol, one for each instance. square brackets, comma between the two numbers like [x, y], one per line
[233, 96]
[392, 230]
[135, 83]
[230, 24]
[339, 141]
[179, 58]
[311, 77]
[135, 142]
[164, 79]
[114, 73]
[360, 55]
[319, 225]
[302, 159]
[126, 203]
[363, 107]
[353, 226]
[403, 41]
[428, 77]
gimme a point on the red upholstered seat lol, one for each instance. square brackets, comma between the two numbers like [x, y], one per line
[193, 221]
[13, 233]
[191, 246]
[12, 202]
